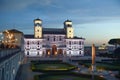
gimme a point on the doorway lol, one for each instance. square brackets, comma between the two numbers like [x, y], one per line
[54, 50]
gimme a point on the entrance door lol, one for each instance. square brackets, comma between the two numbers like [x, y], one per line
[54, 50]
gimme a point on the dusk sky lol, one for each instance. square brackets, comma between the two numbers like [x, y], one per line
[96, 20]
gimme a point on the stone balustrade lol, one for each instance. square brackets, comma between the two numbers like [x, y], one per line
[10, 60]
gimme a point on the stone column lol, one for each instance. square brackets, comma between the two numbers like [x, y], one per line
[93, 58]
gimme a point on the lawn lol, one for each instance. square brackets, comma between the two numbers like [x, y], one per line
[58, 66]
[51, 66]
[57, 70]
[105, 66]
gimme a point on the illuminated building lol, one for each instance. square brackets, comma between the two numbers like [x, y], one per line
[14, 38]
[53, 41]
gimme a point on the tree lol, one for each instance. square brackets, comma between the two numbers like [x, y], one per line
[117, 53]
[115, 42]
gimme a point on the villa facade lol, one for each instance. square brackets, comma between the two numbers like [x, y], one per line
[53, 41]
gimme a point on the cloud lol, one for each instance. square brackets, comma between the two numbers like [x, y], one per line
[13, 5]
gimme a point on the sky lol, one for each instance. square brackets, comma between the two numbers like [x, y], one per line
[97, 21]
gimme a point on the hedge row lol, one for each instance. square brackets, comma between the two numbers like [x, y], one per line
[38, 77]
[46, 61]
[34, 63]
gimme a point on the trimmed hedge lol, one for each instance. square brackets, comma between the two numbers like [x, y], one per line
[46, 61]
[87, 76]
[111, 66]
[35, 69]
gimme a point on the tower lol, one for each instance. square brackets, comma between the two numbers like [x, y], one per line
[38, 28]
[69, 29]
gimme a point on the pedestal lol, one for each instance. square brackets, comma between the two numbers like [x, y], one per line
[93, 66]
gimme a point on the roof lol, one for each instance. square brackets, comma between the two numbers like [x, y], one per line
[29, 36]
[13, 31]
[37, 19]
[53, 31]
[75, 37]
[68, 20]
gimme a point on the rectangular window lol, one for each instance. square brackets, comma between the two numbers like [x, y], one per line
[69, 52]
[60, 38]
[48, 38]
[54, 38]
[75, 42]
[32, 42]
[79, 42]
[38, 43]
[37, 53]
[69, 42]
[80, 52]
[82, 43]
[27, 52]
[27, 42]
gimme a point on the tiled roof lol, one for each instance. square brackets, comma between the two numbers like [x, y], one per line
[53, 31]
[14, 31]
[29, 36]
[37, 19]
[68, 20]
[75, 37]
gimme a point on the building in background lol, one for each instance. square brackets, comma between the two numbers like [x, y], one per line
[53, 41]
[13, 38]
[102, 49]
